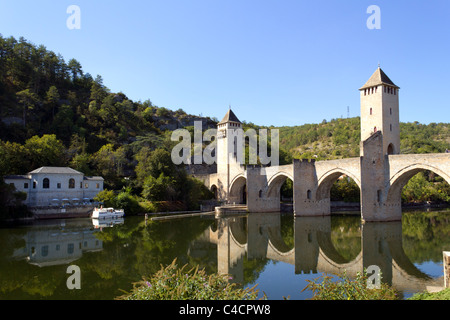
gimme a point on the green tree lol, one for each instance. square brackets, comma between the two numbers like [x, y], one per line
[52, 98]
[45, 151]
[13, 158]
[163, 188]
[28, 100]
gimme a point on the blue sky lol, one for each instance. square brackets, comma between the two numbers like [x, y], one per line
[286, 62]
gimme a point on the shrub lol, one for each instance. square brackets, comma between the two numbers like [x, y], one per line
[343, 288]
[441, 295]
[173, 283]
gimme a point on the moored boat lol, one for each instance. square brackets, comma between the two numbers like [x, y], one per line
[107, 213]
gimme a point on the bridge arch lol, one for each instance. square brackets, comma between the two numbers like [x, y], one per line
[400, 178]
[238, 190]
[276, 182]
[327, 180]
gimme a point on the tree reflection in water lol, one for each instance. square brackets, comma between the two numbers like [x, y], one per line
[34, 258]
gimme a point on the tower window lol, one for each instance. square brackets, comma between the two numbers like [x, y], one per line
[371, 111]
[390, 126]
[390, 111]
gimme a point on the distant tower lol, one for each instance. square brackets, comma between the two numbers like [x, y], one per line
[228, 133]
[380, 111]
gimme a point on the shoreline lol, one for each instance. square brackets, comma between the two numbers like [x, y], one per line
[336, 209]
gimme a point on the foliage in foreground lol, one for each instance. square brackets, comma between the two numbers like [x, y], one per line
[173, 283]
[441, 295]
[328, 287]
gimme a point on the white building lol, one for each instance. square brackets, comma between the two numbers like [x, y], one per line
[53, 186]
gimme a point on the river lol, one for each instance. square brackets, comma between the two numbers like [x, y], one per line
[276, 251]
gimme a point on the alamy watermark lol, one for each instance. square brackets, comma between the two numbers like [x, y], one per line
[73, 281]
[374, 21]
[235, 139]
[74, 20]
[374, 277]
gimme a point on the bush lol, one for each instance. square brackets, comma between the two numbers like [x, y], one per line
[347, 289]
[441, 295]
[173, 283]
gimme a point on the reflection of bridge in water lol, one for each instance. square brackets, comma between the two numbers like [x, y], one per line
[259, 237]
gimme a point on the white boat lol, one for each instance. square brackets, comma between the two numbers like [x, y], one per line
[107, 213]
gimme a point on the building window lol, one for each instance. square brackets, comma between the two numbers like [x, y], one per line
[390, 126]
[390, 111]
[371, 111]
[25, 185]
[260, 193]
[70, 248]
[72, 183]
[379, 195]
[58, 185]
[98, 185]
[44, 251]
[81, 184]
[308, 194]
[86, 185]
[34, 184]
[46, 183]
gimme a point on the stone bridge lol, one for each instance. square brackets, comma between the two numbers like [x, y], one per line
[381, 182]
[380, 171]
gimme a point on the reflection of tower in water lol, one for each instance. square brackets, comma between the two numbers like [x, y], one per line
[259, 237]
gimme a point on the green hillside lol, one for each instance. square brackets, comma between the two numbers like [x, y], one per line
[340, 138]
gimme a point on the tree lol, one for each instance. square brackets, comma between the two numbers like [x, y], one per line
[28, 100]
[13, 158]
[162, 188]
[45, 151]
[75, 68]
[52, 98]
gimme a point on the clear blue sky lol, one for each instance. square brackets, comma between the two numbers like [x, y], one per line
[286, 62]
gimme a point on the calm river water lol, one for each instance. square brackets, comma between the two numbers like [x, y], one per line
[276, 251]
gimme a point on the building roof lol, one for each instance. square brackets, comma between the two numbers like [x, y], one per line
[60, 170]
[94, 178]
[230, 117]
[377, 78]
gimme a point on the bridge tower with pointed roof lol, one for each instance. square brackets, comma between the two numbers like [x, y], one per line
[229, 151]
[380, 111]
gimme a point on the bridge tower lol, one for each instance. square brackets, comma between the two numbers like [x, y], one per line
[380, 137]
[380, 111]
[229, 153]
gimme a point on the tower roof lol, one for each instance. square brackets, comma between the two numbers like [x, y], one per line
[230, 117]
[377, 78]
